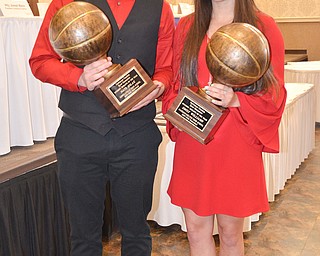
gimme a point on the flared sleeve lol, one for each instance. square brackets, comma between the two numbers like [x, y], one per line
[262, 113]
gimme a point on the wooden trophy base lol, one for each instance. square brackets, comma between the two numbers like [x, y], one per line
[193, 112]
[127, 85]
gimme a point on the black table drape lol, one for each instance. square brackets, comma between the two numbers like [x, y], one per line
[32, 217]
[33, 220]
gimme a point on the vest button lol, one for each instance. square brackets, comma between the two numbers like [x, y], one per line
[119, 41]
[118, 56]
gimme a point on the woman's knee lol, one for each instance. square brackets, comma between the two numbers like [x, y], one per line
[198, 227]
[230, 230]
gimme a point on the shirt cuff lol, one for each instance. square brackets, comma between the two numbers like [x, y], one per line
[73, 81]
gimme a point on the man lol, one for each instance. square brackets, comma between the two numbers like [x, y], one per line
[93, 148]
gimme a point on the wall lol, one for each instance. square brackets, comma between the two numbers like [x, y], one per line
[299, 22]
[302, 35]
[282, 8]
[290, 9]
[180, 1]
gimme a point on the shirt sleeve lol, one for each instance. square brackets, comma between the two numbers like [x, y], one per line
[172, 91]
[163, 68]
[261, 114]
[45, 63]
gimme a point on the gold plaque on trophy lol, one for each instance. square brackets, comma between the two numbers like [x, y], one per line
[193, 112]
[124, 88]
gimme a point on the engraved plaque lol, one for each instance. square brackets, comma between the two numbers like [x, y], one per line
[193, 112]
[124, 89]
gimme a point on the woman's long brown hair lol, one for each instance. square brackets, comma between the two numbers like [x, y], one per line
[245, 11]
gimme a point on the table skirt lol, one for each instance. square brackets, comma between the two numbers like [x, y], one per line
[28, 108]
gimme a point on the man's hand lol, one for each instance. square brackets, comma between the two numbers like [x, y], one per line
[151, 96]
[93, 74]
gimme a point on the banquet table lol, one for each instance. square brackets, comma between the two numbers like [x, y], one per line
[305, 72]
[28, 108]
[297, 139]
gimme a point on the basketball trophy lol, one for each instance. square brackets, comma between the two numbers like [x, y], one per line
[81, 33]
[237, 55]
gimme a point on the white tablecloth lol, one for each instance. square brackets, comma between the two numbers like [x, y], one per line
[297, 139]
[28, 108]
[305, 72]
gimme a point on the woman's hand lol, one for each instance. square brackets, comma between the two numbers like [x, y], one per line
[222, 95]
[93, 74]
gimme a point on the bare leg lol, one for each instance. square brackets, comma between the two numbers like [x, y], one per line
[200, 233]
[231, 235]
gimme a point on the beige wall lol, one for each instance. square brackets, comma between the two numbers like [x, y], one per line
[281, 8]
[299, 22]
[180, 1]
[290, 8]
[304, 35]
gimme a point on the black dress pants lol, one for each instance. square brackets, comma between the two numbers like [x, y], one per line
[86, 161]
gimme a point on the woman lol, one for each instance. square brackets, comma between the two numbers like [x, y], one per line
[225, 178]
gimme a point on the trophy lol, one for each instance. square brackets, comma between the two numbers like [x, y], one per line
[237, 55]
[81, 33]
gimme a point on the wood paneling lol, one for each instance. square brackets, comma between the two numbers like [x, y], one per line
[302, 35]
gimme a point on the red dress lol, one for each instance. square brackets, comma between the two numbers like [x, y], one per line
[226, 176]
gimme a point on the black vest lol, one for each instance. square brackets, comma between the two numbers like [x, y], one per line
[137, 39]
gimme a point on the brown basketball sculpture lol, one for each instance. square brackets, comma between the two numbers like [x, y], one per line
[80, 33]
[237, 55]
